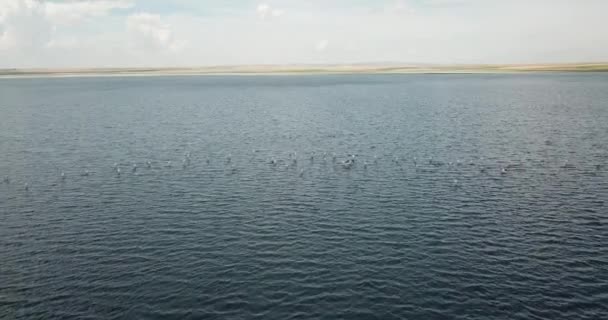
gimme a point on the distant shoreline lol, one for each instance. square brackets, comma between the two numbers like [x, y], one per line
[305, 70]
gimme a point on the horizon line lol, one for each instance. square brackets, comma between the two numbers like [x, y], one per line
[345, 64]
[303, 69]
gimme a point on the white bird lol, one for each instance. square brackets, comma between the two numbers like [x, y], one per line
[85, 173]
[148, 164]
[348, 163]
[503, 171]
[62, 175]
[273, 162]
[169, 164]
[118, 171]
[455, 184]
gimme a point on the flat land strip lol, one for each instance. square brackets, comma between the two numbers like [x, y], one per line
[309, 69]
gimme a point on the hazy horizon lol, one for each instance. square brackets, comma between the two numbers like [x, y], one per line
[188, 33]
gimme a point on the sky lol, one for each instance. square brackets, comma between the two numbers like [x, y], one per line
[164, 33]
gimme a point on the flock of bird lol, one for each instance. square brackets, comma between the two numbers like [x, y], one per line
[346, 162]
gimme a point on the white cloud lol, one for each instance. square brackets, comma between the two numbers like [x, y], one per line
[265, 11]
[148, 32]
[262, 10]
[29, 28]
[107, 33]
[68, 13]
[23, 25]
[401, 7]
[321, 45]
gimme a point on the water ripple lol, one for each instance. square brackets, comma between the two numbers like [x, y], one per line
[426, 224]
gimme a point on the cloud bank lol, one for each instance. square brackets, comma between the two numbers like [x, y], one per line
[121, 33]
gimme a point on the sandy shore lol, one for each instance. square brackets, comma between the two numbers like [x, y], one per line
[305, 69]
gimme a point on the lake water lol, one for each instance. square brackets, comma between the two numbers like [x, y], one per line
[468, 197]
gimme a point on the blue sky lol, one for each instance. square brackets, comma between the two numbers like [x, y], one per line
[120, 33]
